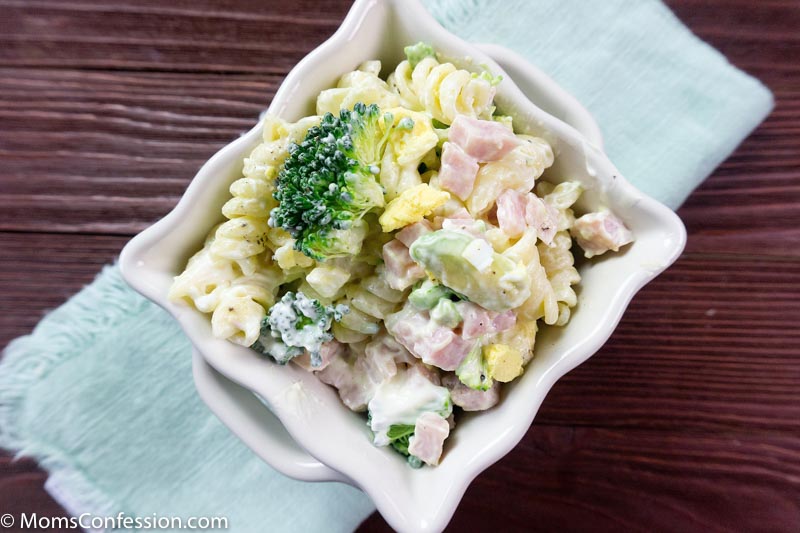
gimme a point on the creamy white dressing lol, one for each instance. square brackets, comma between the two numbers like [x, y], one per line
[402, 399]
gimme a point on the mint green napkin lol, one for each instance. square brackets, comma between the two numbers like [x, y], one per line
[102, 394]
[670, 107]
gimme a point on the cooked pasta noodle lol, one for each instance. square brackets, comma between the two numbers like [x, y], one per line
[558, 261]
[370, 301]
[442, 90]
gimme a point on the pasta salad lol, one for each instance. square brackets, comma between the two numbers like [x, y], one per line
[401, 244]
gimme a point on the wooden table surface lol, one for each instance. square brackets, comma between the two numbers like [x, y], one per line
[687, 420]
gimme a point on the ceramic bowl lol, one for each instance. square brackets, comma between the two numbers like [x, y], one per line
[333, 443]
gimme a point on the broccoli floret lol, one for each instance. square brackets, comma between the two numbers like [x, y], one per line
[294, 324]
[417, 52]
[399, 436]
[328, 182]
[472, 371]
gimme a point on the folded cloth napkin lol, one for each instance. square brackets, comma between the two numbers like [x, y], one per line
[102, 395]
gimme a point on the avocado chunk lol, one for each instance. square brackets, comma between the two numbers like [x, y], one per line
[503, 285]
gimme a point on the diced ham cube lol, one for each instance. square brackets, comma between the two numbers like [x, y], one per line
[401, 271]
[484, 140]
[327, 352]
[470, 399]
[357, 378]
[443, 349]
[385, 343]
[458, 171]
[354, 389]
[478, 321]
[600, 232]
[504, 321]
[434, 344]
[377, 368]
[541, 216]
[428, 372]
[430, 431]
[511, 211]
[411, 233]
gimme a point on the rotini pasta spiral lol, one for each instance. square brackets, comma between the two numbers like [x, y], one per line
[561, 196]
[558, 261]
[362, 85]
[542, 302]
[244, 236]
[369, 300]
[205, 279]
[442, 90]
[242, 306]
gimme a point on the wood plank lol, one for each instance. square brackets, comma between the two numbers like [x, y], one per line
[38, 272]
[758, 37]
[183, 36]
[22, 491]
[712, 344]
[578, 479]
[75, 144]
[230, 37]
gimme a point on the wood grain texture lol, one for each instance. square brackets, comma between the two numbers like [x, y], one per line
[587, 479]
[688, 419]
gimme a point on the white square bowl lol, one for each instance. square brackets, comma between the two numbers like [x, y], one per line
[424, 499]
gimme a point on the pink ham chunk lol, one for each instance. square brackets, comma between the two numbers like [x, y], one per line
[503, 321]
[411, 233]
[511, 208]
[478, 321]
[427, 340]
[471, 399]
[458, 171]
[357, 378]
[401, 271]
[430, 431]
[483, 140]
[517, 211]
[541, 216]
[600, 232]
[383, 344]
[327, 352]
[377, 368]
[431, 373]
[355, 390]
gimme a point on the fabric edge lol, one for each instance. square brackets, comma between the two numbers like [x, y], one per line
[59, 336]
